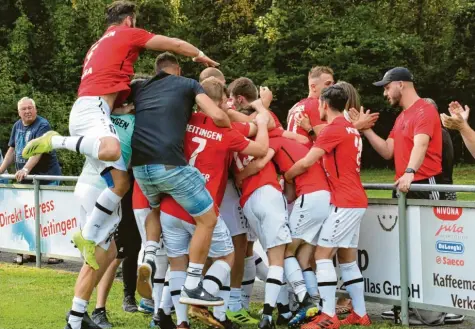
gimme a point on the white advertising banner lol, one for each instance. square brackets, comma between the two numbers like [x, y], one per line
[59, 215]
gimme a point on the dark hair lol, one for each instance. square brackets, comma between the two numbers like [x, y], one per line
[244, 87]
[120, 10]
[164, 60]
[336, 97]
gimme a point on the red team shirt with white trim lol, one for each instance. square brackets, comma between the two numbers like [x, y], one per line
[287, 153]
[420, 118]
[342, 144]
[109, 63]
[208, 148]
[308, 106]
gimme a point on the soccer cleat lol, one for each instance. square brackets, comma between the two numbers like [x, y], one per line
[323, 321]
[129, 304]
[306, 311]
[86, 322]
[282, 320]
[39, 145]
[183, 325]
[228, 324]
[266, 322]
[199, 296]
[355, 319]
[202, 314]
[87, 248]
[242, 317]
[146, 271]
[68, 326]
[146, 306]
[162, 321]
[100, 318]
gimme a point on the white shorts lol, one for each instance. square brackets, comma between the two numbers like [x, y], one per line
[231, 211]
[342, 228]
[308, 214]
[90, 116]
[87, 196]
[266, 212]
[177, 236]
[140, 217]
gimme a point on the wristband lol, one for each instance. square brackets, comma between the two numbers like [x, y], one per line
[311, 132]
[200, 54]
[25, 169]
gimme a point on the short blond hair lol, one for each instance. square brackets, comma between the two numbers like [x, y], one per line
[211, 72]
[317, 71]
[24, 99]
[214, 88]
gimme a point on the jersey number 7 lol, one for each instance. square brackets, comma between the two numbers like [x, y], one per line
[201, 146]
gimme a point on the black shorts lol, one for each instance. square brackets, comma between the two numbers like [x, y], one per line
[426, 195]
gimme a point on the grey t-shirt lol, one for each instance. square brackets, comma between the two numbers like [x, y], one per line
[163, 106]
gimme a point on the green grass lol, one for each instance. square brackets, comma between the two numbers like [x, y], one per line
[39, 298]
[463, 175]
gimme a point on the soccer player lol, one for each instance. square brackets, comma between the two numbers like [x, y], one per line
[105, 81]
[88, 188]
[311, 208]
[208, 148]
[339, 146]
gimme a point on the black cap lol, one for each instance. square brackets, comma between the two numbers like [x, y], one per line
[395, 74]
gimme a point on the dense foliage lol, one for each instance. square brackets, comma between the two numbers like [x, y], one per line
[274, 42]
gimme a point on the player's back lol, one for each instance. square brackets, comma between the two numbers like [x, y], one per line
[308, 106]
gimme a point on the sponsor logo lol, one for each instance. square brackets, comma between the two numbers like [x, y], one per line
[450, 247]
[447, 213]
[387, 222]
[449, 228]
[449, 261]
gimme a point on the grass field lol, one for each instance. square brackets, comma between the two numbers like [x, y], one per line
[33, 298]
[463, 175]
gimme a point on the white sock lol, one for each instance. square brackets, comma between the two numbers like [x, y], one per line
[327, 281]
[85, 145]
[77, 312]
[294, 276]
[311, 283]
[248, 281]
[161, 261]
[215, 277]
[261, 267]
[272, 288]
[150, 252]
[166, 303]
[219, 312]
[177, 279]
[193, 277]
[106, 204]
[283, 302]
[351, 275]
[235, 303]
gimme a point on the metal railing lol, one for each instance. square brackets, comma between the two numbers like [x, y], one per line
[402, 210]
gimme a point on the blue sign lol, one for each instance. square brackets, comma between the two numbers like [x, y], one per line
[450, 247]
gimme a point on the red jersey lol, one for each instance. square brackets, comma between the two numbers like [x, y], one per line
[342, 144]
[287, 153]
[308, 106]
[207, 147]
[420, 118]
[108, 66]
[139, 200]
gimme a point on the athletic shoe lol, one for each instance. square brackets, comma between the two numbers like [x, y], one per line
[146, 306]
[203, 315]
[228, 324]
[87, 248]
[306, 311]
[355, 319]
[323, 321]
[199, 296]
[162, 321]
[100, 318]
[242, 317]
[39, 145]
[129, 304]
[451, 318]
[68, 326]
[86, 323]
[282, 320]
[266, 322]
[146, 271]
[183, 325]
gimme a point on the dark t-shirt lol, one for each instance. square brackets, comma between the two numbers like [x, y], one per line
[163, 106]
[447, 157]
[21, 135]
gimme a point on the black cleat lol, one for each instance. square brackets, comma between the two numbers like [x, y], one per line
[162, 321]
[266, 322]
[199, 296]
[100, 318]
[86, 323]
[129, 304]
[67, 326]
[282, 320]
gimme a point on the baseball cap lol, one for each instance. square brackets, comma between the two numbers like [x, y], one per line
[395, 74]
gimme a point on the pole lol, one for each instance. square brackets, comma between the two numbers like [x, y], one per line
[403, 259]
[37, 222]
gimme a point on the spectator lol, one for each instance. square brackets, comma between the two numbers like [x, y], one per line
[458, 120]
[3, 180]
[29, 126]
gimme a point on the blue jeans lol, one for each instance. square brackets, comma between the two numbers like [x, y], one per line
[184, 183]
